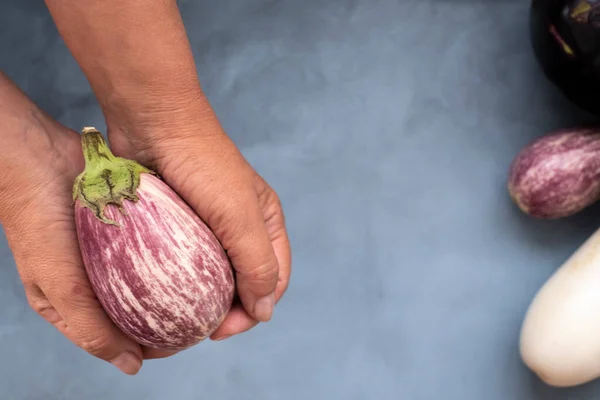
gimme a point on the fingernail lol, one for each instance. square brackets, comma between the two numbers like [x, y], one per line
[127, 362]
[263, 308]
[218, 339]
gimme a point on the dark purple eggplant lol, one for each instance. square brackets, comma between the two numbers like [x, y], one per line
[565, 36]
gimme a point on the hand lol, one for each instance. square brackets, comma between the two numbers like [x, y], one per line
[141, 67]
[39, 162]
[204, 166]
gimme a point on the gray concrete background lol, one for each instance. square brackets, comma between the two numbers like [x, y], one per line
[387, 126]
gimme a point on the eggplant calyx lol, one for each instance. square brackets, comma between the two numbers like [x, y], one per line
[106, 179]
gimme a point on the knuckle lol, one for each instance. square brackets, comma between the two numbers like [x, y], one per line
[264, 274]
[48, 312]
[67, 286]
[270, 195]
[35, 297]
[272, 207]
[266, 194]
[275, 199]
[97, 345]
[41, 305]
[37, 304]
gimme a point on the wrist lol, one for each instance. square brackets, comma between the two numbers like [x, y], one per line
[40, 170]
[147, 129]
[36, 151]
[136, 56]
[140, 111]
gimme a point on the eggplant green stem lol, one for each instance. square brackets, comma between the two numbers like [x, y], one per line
[106, 179]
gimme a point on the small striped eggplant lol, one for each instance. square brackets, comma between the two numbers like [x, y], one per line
[157, 269]
[557, 175]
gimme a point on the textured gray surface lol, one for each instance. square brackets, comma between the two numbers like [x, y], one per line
[387, 127]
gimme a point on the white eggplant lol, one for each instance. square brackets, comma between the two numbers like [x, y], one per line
[560, 336]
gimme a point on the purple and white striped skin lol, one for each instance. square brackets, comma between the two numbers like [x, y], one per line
[162, 276]
[557, 175]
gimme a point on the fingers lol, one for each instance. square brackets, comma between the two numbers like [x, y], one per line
[213, 177]
[86, 323]
[276, 229]
[236, 322]
[223, 195]
[249, 248]
[58, 289]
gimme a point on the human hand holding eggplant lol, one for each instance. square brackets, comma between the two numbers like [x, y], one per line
[40, 162]
[153, 286]
[39, 173]
[199, 162]
[140, 65]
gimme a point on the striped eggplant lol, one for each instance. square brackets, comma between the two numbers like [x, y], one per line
[157, 269]
[557, 175]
